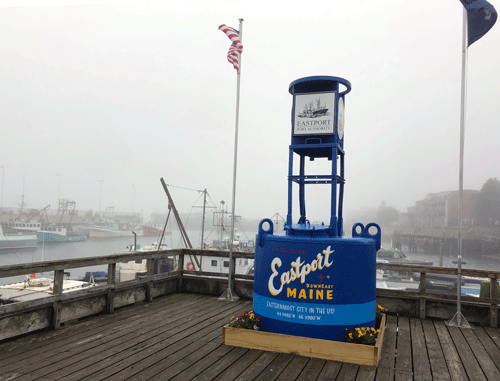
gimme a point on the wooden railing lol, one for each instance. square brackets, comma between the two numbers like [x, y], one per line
[425, 296]
[57, 308]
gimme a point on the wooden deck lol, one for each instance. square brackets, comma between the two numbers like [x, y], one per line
[178, 337]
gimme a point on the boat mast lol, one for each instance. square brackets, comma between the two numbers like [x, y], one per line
[203, 219]
[222, 219]
[22, 204]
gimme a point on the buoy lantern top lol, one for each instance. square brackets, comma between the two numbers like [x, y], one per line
[319, 83]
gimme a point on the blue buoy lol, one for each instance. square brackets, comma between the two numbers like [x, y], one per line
[311, 281]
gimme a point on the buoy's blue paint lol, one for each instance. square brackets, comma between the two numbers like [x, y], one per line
[311, 281]
[314, 287]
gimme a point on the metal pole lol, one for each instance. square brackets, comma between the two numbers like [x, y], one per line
[229, 293]
[43, 243]
[222, 203]
[459, 320]
[203, 220]
[58, 190]
[3, 172]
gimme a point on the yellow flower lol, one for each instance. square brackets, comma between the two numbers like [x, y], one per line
[251, 316]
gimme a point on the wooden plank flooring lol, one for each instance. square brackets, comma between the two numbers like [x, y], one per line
[178, 337]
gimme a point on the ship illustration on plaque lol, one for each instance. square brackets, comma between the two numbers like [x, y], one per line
[314, 109]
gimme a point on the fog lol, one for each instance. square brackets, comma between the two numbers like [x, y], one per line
[98, 102]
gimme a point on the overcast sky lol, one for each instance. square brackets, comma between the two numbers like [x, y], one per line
[128, 93]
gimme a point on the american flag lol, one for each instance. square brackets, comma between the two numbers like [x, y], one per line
[235, 50]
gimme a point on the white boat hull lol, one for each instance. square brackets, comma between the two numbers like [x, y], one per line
[91, 232]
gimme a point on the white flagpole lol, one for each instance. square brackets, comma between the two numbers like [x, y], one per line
[459, 320]
[229, 294]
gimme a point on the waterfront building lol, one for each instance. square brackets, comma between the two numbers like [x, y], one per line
[441, 210]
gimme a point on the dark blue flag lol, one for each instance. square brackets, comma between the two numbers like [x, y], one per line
[481, 16]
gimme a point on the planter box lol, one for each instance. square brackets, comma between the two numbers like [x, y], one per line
[305, 346]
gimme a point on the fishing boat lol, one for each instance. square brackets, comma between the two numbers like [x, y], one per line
[239, 244]
[219, 265]
[314, 112]
[35, 288]
[22, 226]
[106, 229]
[397, 256]
[434, 283]
[153, 230]
[223, 222]
[15, 241]
[209, 263]
[52, 234]
[133, 269]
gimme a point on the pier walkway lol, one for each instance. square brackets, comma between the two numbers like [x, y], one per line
[178, 337]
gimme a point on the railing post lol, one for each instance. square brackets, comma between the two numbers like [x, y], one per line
[421, 289]
[57, 291]
[493, 305]
[110, 303]
[180, 268]
[149, 285]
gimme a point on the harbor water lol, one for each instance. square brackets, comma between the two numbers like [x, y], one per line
[447, 259]
[91, 248]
